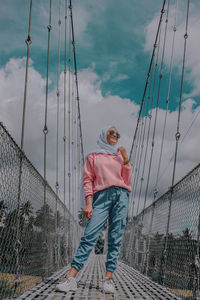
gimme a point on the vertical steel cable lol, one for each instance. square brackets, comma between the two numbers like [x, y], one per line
[28, 42]
[64, 118]
[167, 103]
[139, 148]
[150, 116]
[69, 139]
[57, 138]
[168, 94]
[145, 112]
[137, 151]
[154, 68]
[73, 148]
[177, 136]
[155, 123]
[152, 101]
[147, 80]
[181, 92]
[77, 90]
[45, 131]
[72, 159]
[135, 167]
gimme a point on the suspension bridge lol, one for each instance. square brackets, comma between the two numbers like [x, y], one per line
[41, 226]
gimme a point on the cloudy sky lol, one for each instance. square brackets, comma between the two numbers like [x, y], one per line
[114, 42]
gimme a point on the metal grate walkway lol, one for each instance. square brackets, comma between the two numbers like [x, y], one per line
[129, 284]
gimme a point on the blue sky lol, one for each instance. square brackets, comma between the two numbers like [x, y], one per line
[110, 37]
[114, 41]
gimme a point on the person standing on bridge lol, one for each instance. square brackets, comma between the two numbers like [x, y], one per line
[106, 181]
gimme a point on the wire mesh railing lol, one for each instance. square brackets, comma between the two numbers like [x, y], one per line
[163, 240]
[41, 246]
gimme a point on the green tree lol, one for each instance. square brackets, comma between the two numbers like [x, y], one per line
[3, 209]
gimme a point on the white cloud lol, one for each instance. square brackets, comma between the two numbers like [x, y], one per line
[96, 112]
[192, 63]
[121, 77]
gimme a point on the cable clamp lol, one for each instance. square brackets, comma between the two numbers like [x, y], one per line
[57, 185]
[185, 35]
[174, 28]
[177, 135]
[59, 22]
[45, 130]
[49, 27]
[28, 40]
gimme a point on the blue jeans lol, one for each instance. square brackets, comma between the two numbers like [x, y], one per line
[112, 204]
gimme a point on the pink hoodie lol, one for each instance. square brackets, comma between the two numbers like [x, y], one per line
[104, 170]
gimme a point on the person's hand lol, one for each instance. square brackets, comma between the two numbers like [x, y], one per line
[123, 153]
[88, 207]
[88, 210]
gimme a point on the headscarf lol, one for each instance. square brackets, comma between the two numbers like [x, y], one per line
[105, 147]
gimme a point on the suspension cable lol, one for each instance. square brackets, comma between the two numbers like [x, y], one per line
[28, 43]
[57, 134]
[136, 160]
[152, 101]
[181, 141]
[155, 120]
[45, 131]
[73, 147]
[147, 80]
[177, 136]
[167, 103]
[135, 164]
[69, 122]
[148, 132]
[69, 144]
[64, 110]
[168, 95]
[18, 243]
[144, 121]
[77, 90]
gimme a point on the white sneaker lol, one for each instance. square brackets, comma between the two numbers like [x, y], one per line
[108, 286]
[68, 285]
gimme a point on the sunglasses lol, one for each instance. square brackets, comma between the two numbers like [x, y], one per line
[112, 132]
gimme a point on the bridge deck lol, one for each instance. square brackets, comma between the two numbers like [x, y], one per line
[129, 284]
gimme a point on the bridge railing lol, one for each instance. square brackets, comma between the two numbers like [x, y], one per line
[37, 237]
[163, 240]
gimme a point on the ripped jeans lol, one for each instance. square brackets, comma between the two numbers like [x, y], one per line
[112, 204]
